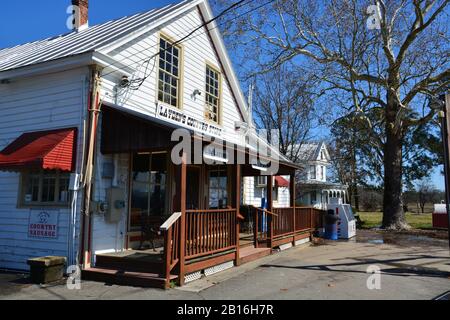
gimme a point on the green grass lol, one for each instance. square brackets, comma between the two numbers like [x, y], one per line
[374, 219]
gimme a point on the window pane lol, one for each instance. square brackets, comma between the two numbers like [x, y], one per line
[32, 191]
[48, 188]
[218, 191]
[212, 94]
[63, 192]
[140, 190]
[168, 74]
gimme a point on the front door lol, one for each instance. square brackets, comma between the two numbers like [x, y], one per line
[148, 198]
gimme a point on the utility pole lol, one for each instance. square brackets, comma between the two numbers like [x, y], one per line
[445, 126]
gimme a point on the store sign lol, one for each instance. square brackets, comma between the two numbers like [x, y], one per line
[43, 224]
[178, 117]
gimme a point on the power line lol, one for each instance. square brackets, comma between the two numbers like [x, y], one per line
[147, 60]
[137, 83]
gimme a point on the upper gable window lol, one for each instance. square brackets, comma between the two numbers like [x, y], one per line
[322, 155]
[212, 94]
[169, 73]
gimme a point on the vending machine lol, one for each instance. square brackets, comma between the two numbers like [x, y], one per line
[347, 221]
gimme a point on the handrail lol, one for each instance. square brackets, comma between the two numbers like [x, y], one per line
[265, 211]
[171, 221]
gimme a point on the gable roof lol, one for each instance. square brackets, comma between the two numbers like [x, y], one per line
[311, 151]
[101, 39]
[94, 38]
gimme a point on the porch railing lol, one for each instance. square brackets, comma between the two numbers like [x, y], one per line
[209, 232]
[284, 223]
[205, 233]
[171, 230]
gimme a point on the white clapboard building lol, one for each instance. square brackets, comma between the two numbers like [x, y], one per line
[86, 144]
[313, 187]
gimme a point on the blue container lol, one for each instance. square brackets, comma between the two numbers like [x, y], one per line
[331, 232]
[263, 218]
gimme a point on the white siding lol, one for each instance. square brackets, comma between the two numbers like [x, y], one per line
[35, 104]
[253, 194]
[197, 52]
[284, 200]
[109, 237]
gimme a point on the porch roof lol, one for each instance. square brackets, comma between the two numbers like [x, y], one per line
[142, 133]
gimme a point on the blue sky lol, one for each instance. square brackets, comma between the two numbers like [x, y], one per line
[25, 21]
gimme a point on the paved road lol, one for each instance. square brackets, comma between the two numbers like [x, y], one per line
[410, 269]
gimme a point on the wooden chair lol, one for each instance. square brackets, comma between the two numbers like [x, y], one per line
[150, 230]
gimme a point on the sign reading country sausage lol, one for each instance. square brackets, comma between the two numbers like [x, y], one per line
[43, 224]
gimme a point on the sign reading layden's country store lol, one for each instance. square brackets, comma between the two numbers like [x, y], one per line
[43, 224]
[178, 117]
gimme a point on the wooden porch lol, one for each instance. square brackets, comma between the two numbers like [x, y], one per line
[201, 239]
[205, 230]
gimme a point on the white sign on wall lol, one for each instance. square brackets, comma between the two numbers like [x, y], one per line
[43, 224]
[180, 118]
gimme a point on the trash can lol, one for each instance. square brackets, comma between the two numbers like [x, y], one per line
[46, 269]
[331, 227]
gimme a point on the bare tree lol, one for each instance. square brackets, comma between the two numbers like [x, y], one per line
[386, 62]
[426, 193]
[284, 102]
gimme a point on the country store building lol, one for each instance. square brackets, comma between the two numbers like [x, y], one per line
[86, 140]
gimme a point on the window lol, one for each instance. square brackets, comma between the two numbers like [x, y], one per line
[218, 188]
[45, 188]
[312, 172]
[212, 94]
[313, 198]
[261, 181]
[322, 173]
[169, 73]
[148, 191]
[275, 194]
[322, 155]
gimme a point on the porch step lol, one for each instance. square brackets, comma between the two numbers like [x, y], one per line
[126, 278]
[249, 254]
[131, 261]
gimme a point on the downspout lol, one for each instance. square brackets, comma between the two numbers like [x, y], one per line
[94, 109]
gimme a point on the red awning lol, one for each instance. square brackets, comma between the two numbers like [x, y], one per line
[50, 150]
[281, 182]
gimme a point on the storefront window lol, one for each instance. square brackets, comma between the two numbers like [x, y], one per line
[149, 179]
[218, 188]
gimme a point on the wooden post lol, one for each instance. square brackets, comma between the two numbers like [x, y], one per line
[269, 207]
[238, 211]
[168, 253]
[445, 128]
[183, 218]
[256, 222]
[293, 200]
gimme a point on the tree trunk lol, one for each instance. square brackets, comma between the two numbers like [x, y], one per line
[394, 216]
